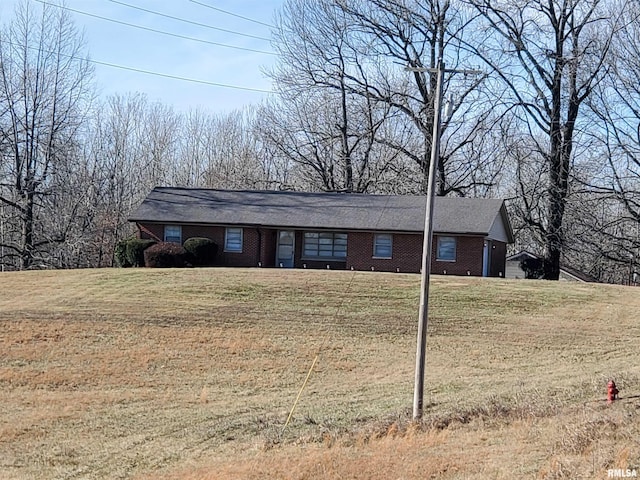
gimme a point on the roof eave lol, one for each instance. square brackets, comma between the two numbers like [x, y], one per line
[507, 223]
[304, 227]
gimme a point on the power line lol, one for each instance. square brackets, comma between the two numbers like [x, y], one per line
[190, 22]
[232, 14]
[147, 72]
[176, 77]
[154, 30]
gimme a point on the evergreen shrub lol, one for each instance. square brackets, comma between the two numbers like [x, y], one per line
[120, 254]
[129, 252]
[135, 251]
[165, 255]
[201, 251]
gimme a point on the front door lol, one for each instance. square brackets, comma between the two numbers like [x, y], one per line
[286, 249]
[486, 258]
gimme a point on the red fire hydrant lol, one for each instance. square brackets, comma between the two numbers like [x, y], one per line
[612, 391]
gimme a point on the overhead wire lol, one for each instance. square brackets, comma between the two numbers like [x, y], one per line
[80, 12]
[232, 14]
[147, 72]
[190, 22]
[177, 77]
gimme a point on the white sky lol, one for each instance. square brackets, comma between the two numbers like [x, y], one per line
[132, 47]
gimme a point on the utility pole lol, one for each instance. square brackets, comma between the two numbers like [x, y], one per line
[423, 314]
[2, 238]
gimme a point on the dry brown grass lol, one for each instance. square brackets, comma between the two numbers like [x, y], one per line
[190, 374]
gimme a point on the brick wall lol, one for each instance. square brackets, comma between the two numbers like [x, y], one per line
[151, 231]
[269, 245]
[251, 242]
[468, 257]
[259, 246]
[406, 253]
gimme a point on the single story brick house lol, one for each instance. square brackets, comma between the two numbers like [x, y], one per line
[331, 230]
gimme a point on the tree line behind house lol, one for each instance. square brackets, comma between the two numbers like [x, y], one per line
[549, 122]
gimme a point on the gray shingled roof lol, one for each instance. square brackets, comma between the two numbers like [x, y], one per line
[335, 211]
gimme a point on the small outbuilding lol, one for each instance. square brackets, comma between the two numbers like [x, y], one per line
[514, 269]
[332, 230]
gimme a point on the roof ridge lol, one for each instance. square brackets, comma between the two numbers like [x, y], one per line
[299, 192]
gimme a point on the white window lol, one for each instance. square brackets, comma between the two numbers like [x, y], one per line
[173, 233]
[382, 243]
[446, 249]
[325, 245]
[233, 240]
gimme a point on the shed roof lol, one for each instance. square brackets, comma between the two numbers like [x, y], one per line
[335, 211]
[565, 270]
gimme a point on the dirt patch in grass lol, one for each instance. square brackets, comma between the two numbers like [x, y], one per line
[192, 373]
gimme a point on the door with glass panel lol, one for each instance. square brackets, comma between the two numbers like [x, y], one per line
[486, 258]
[286, 249]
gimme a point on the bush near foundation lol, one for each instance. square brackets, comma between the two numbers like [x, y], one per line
[129, 252]
[165, 255]
[201, 251]
[120, 254]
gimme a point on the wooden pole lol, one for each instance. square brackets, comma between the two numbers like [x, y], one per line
[423, 315]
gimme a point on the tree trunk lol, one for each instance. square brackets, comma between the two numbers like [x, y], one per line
[27, 247]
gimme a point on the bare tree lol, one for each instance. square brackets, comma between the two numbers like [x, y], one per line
[231, 152]
[616, 182]
[360, 48]
[44, 93]
[160, 134]
[318, 124]
[190, 167]
[223, 151]
[549, 56]
[331, 145]
[118, 163]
